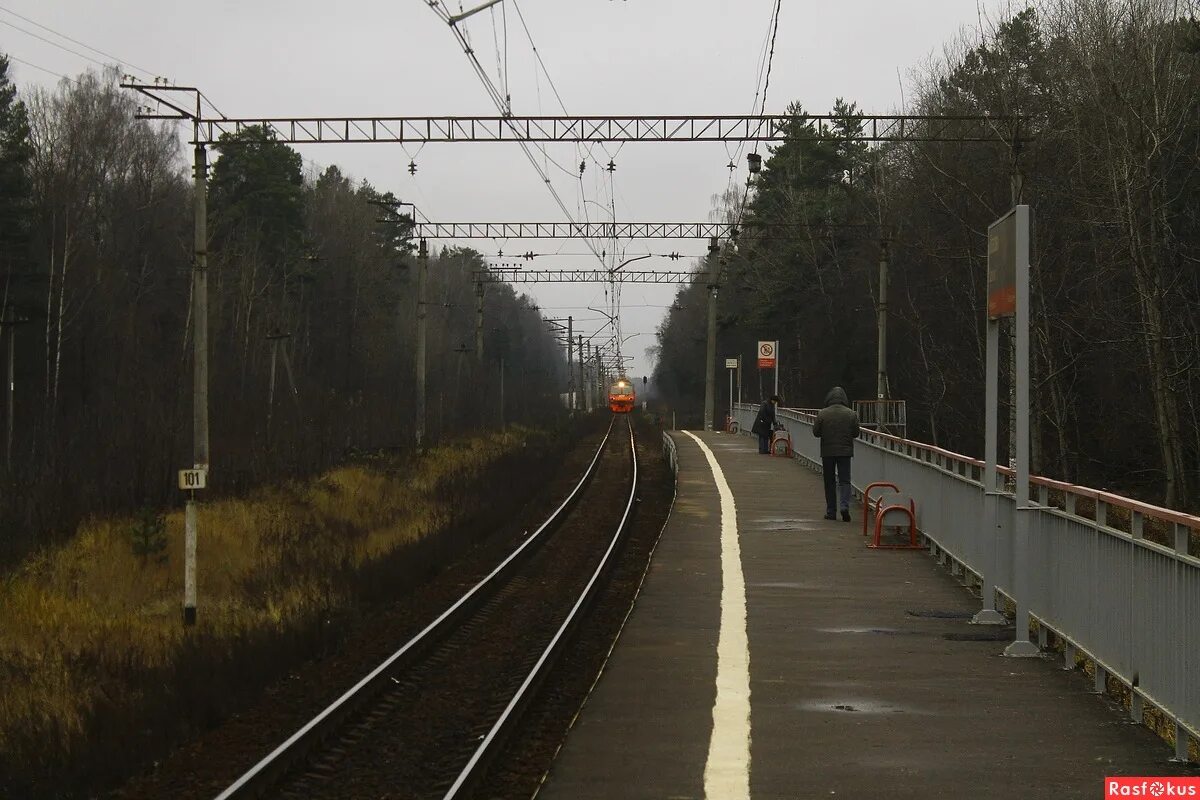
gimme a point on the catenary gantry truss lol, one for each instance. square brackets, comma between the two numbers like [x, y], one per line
[422, 130]
[573, 230]
[583, 276]
[623, 230]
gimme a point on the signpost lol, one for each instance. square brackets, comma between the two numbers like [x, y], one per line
[731, 364]
[768, 358]
[1008, 296]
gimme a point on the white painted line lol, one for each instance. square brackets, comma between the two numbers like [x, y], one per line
[727, 771]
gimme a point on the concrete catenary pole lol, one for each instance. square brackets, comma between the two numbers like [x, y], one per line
[200, 453]
[881, 385]
[422, 280]
[570, 363]
[581, 402]
[479, 322]
[710, 368]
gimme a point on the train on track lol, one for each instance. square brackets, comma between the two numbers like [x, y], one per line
[621, 396]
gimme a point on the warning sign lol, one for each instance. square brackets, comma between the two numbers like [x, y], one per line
[766, 355]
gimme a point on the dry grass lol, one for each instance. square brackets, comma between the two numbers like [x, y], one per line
[89, 627]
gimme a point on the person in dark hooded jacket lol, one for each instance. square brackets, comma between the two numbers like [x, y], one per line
[764, 424]
[837, 428]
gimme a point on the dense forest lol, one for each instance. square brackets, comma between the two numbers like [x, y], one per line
[1110, 90]
[312, 315]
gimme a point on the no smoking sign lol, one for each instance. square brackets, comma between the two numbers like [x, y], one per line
[766, 355]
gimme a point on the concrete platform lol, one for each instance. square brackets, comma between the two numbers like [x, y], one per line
[864, 678]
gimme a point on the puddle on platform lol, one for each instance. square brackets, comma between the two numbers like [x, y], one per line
[780, 524]
[814, 587]
[858, 705]
[882, 631]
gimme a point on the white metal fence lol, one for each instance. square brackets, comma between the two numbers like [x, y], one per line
[1113, 578]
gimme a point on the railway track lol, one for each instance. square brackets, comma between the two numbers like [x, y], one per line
[428, 720]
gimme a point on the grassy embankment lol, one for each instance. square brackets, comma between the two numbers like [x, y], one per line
[94, 661]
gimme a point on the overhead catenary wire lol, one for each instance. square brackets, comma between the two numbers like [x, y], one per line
[85, 45]
[11, 57]
[113, 59]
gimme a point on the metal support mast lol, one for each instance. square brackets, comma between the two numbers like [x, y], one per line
[570, 363]
[710, 366]
[881, 388]
[422, 279]
[582, 403]
[478, 321]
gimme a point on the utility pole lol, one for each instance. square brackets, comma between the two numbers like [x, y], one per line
[479, 322]
[502, 391]
[422, 279]
[591, 390]
[710, 367]
[881, 388]
[570, 364]
[200, 454]
[581, 402]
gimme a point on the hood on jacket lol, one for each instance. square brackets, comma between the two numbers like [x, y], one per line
[837, 397]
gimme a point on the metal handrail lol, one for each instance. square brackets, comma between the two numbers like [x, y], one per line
[883, 440]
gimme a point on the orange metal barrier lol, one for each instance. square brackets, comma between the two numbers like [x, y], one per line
[867, 498]
[909, 511]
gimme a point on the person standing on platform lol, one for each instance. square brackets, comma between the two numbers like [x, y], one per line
[837, 428]
[764, 424]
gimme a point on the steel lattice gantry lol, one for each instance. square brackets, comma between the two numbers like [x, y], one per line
[770, 128]
[583, 276]
[421, 130]
[573, 230]
[623, 230]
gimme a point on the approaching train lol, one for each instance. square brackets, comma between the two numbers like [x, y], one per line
[621, 397]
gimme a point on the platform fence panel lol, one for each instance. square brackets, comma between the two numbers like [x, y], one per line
[1129, 604]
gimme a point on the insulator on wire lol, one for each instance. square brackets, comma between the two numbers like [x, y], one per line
[412, 167]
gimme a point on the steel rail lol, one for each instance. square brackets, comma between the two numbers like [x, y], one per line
[269, 769]
[511, 712]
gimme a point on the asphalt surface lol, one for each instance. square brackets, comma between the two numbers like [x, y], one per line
[865, 678]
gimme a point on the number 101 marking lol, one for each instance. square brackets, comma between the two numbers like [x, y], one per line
[190, 479]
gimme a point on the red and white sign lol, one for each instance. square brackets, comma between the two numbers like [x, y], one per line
[1166, 786]
[766, 354]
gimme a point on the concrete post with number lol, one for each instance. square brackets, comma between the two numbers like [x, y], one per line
[200, 454]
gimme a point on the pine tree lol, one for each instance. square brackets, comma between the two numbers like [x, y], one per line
[15, 186]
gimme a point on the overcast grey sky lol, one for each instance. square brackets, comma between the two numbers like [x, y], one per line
[396, 57]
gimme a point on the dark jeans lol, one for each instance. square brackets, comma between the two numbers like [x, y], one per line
[840, 464]
[764, 443]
